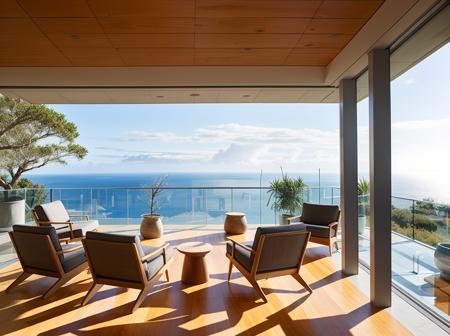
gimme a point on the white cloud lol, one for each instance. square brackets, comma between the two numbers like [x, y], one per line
[236, 133]
[153, 136]
[166, 157]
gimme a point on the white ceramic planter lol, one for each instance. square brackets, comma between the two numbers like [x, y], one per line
[11, 213]
[151, 227]
[284, 219]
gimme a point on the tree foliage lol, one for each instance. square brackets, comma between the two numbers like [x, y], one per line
[287, 194]
[23, 124]
[33, 136]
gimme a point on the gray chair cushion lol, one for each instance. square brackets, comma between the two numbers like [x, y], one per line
[80, 228]
[320, 231]
[116, 238]
[73, 259]
[319, 214]
[281, 252]
[53, 212]
[275, 229]
[154, 265]
[120, 262]
[243, 256]
[33, 248]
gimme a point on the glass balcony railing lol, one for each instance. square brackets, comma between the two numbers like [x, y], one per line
[424, 221]
[178, 205]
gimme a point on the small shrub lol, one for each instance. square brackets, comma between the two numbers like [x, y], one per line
[402, 217]
[424, 222]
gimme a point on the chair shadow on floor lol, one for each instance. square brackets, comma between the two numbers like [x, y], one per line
[184, 308]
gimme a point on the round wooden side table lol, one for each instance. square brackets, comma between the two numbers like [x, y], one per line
[235, 223]
[194, 266]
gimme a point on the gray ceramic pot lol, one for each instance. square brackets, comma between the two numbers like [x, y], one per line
[151, 226]
[442, 259]
[11, 213]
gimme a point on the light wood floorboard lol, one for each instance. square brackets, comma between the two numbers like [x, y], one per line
[336, 307]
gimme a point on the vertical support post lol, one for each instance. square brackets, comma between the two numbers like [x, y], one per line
[349, 175]
[380, 177]
[414, 219]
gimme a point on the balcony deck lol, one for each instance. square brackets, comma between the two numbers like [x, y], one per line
[337, 304]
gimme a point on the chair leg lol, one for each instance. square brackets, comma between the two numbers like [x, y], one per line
[167, 275]
[22, 277]
[330, 248]
[139, 299]
[230, 268]
[258, 289]
[336, 245]
[90, 294]
[302, 282]
[55, 287]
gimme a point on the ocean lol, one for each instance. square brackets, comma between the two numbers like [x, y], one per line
[193, 198]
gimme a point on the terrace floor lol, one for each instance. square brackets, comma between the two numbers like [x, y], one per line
[338, 303]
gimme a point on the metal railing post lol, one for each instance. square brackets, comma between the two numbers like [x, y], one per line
[414, 220]
[128, 206]
[232, 199]
[332, 195]
[51, 194]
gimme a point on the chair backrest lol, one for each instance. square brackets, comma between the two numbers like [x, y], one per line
[319, 214]
[282, 247]
[114, 256]
[33, 249]
[52, 212]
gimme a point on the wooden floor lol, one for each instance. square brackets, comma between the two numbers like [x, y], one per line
[336, 307]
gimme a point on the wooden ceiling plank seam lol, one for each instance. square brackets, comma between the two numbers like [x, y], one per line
[289, 54]
[98, 22]
[39, 28]
[69, 6]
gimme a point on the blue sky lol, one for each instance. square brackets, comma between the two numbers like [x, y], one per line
[250, 137]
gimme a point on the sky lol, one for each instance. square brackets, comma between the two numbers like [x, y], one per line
[251, 137]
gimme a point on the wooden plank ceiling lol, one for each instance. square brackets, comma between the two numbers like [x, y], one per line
[177, 32]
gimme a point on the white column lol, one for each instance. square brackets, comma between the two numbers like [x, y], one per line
[380, 177]
[349, 175]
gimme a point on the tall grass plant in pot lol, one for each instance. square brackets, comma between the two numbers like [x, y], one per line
[287, 195]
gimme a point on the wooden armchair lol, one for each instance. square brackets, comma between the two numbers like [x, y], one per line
[276, 251]
[120, 260]
[55, 214]
[40, 252]
[322, 221]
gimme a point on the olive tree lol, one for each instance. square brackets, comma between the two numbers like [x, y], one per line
[33, 136]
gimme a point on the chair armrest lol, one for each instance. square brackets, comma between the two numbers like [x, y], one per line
[70, 249]
[295, 219]
[333, 224]
[155, 252]
[252, 251]
[86, 217]
[55, 223]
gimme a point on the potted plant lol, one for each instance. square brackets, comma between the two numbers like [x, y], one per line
[287, 195]
[363, 204]
[151, 225]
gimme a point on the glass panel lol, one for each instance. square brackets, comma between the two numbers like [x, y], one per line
[362, 91]
[420, 128]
